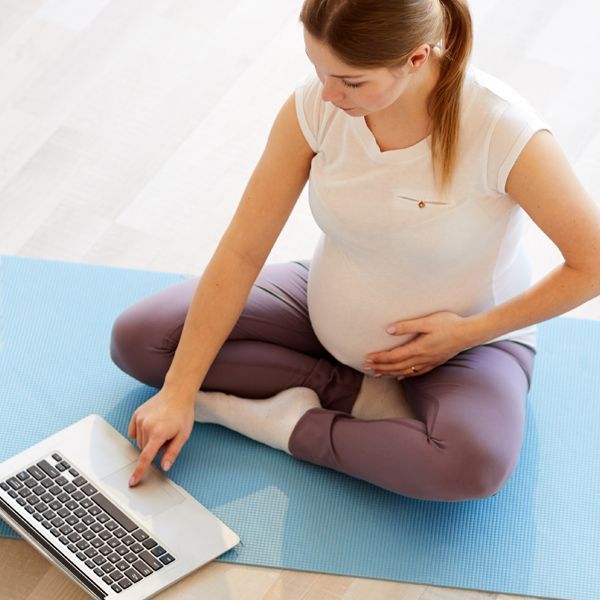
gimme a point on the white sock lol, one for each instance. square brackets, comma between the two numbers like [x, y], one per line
[380, 398]
[269, 421]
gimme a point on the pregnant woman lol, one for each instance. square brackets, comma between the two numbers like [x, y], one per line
[421, 168]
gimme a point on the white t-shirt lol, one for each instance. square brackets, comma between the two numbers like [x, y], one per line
[382, 256]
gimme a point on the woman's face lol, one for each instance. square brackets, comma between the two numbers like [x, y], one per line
[358, 91]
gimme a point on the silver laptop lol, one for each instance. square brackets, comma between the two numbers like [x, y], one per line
[69, 496]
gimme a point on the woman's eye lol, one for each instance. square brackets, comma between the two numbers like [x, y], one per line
[351, 85]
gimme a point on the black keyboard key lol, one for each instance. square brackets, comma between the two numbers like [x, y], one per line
[40, 491]
[61, 481]
[116, 575]
[158, 551]
[137, 548]
[31, 482]
[45, 466]
[24, 492]
[116, 588]
[72, 548]
[65, 464]
[166, 559]
[140, 535]
[119, 532]
[69, 488]
[94, 510]
[57, 522]
[88, 520]
[21, 501]
[56, 490]
[30, 509]
[78, 495]
[96, 527]
[49, 514]
[79, 481]
[98, 572]
[102, 518]
[143, 568]
[74, 537]
[55, 532]
[65, 530]
[133, 575]
[104, 550]
[149, 543]
[121, 550]
[72, 505]
[104, 534]
[63, 540]
[86, 502]
[80, 512]
[131, 558]
[122, 565]
[14, 483]
[118, 515]
[128, 540]
[151, 560]
[124, 583]
[80, 556]
[55, 504]
[113, 542]
[89, 563]
[71, 519]
[47, 524]
[36, 472]
[12, 493]
[99, 560]
[88, 535]
[89, 489]
[91, 552]
[82, 545]
[23, 475]
[5, 486]
[74, 472]
[47, 482]
[107, 579]
[108, 567]
[34, 500]
[96, 542]
[60, 467]
[57, 457]
[114, 557]
[80, 528]
[111, 526]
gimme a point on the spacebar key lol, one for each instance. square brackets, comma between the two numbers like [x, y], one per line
[119, 516]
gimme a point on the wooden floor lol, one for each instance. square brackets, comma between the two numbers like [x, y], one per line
[129, 129]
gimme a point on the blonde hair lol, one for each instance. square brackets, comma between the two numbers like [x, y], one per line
[383, 33]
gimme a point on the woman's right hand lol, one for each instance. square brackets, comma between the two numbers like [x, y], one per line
[165, 420]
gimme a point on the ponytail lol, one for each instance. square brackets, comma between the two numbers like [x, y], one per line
[444, 103]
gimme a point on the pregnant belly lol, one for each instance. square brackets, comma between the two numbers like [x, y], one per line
[351, 305]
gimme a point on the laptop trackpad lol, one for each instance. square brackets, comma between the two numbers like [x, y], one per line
[152, 496]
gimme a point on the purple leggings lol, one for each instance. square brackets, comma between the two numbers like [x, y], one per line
[464, 443]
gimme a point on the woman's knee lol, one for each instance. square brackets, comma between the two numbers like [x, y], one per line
[481, 472]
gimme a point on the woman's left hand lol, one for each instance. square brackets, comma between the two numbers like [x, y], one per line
[440, 337]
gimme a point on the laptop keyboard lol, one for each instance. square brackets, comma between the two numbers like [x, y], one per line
[86, 523]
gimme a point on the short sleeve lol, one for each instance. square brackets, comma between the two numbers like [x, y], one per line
[310, 109]
[515, 125]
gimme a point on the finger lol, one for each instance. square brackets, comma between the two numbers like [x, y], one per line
[139, 433]
[172, 452]
[145, 459]
[131, 429]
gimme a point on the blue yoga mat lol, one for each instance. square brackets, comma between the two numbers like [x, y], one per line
[539, 536]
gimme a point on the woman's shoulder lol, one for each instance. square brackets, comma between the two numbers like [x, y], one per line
[486, 92]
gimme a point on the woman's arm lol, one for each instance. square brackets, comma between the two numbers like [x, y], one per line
[544, 184]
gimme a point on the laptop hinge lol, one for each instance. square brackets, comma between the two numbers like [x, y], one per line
[73, 569]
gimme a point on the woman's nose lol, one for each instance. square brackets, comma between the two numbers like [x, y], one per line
[331, 92]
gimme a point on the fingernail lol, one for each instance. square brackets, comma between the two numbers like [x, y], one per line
[391, 329]
[167, 466]
[132, 480]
